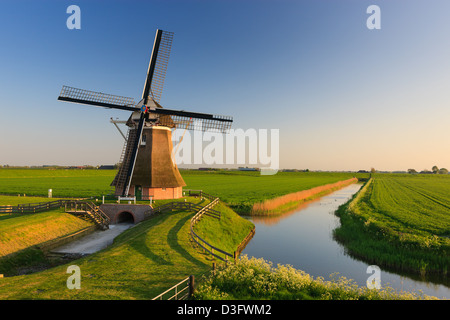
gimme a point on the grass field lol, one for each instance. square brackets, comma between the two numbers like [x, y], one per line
[401, 221]
[239, 189]
[15, 200]
[398, 220]
[64, 183]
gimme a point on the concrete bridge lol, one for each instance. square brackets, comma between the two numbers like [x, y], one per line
[126, 212]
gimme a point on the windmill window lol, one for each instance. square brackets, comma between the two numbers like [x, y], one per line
[143, 140]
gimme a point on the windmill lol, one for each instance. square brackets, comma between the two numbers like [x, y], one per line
[147, 169]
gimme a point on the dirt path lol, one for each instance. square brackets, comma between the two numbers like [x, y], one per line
[95, 241]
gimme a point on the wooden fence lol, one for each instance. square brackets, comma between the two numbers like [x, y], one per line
[86, 207]
[198, 193]
[181, 291]
[188, 283]
[214, 251]
[201, 211]
[32, 207]
[186, 206]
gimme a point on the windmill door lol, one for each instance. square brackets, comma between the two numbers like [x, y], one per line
[138, 192]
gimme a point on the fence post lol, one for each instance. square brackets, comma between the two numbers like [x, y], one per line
[191, 285]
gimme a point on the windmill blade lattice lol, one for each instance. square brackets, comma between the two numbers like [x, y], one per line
[151, 168]
[98, 99]
[189, 123]
[162, 60]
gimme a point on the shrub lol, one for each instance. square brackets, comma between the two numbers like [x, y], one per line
[252, 278]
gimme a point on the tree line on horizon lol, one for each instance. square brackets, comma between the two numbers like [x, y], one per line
[434, 170]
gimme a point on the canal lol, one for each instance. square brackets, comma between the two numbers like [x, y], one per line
[304, 239]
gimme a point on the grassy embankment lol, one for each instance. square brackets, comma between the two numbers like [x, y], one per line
[400, 222]
[143, 261]
[291, 201]
[20, 234]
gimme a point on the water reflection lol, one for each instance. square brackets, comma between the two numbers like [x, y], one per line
[272, 220]
[303, 238]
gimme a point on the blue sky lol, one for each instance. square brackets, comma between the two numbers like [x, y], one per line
[343, 97]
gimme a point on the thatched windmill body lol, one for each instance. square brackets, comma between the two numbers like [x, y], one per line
[147, 169]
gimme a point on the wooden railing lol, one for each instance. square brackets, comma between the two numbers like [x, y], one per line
[186, 206]
[213, 250]
[85, 207]
[201, 211]
[181, 291]
[32, 207]
[90, 209]
[198, 193]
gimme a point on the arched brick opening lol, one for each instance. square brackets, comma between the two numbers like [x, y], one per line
[125, 217]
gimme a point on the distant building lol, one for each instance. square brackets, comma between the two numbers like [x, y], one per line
[248, 169]
[106, 167]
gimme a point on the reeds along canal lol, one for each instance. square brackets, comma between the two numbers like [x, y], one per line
[303, 238]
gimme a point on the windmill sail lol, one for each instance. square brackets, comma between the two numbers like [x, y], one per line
[154, 81]
[120, 181]
[195, 121]
[161, 65]
[157, 66]
[98, 99]
[148, 166]
[134, 152]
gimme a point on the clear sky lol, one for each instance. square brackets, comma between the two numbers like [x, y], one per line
[343, 97]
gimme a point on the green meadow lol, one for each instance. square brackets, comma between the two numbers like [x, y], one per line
[239, 189]
[65, 183]
[400, 222]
